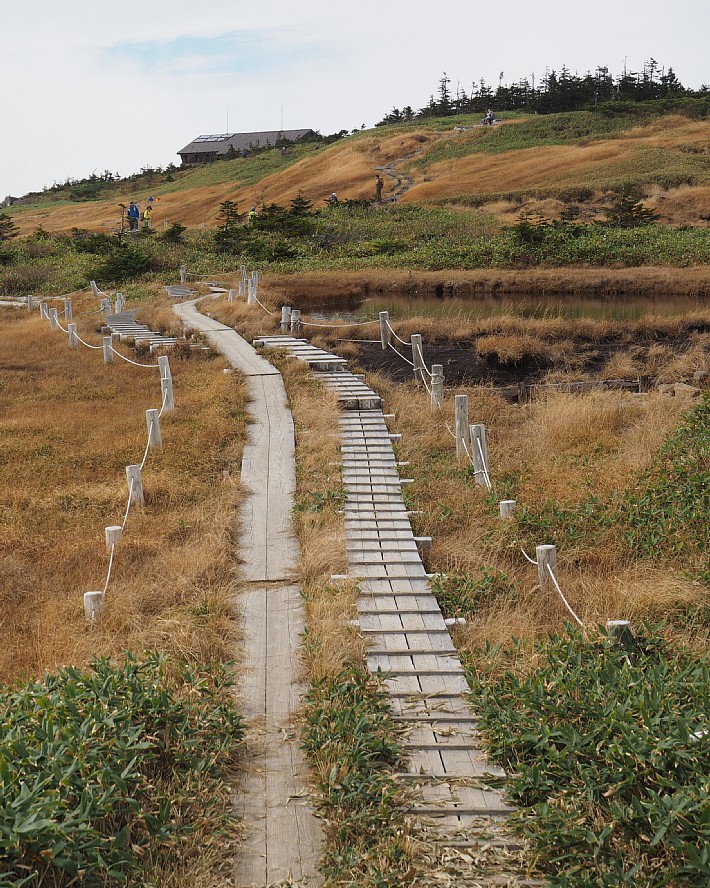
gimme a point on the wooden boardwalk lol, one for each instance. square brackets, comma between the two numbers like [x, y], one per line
[282, 836]
[408, 639]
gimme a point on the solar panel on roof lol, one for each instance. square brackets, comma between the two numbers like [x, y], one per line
[222, 137]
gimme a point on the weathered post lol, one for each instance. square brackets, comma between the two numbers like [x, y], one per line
[285, 318]
[166, 394]
[385, 331]
[152, 420]
[114, 533]
[183, 273]
[620, 632]
[507, 508]
[251, 294]
[135, 485]
[417, 357]
[93, 606]
[120, 302]
[73, 338]
[242, 288]
[108, 349]
[461, 414]
[231, 296]
[437, 385]
[30, 302]
[68, 311]
[295, 320]
[95, 290]
[479, 453]
[43, 310]
[243, 272]
[164, 365]
[546, 562]
[255, 278]
[53, 320]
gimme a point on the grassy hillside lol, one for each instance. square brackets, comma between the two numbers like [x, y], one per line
[561, 160]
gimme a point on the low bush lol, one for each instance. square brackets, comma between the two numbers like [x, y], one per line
[100, 766]
[609, 752]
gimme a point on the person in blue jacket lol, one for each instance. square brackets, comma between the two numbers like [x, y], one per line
[134, 215]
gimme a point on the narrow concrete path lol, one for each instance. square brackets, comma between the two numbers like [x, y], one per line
[282, 836]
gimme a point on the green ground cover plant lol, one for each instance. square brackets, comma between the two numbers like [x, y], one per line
[105, 768]
[349, 735]
[609, 753]
[662, 514]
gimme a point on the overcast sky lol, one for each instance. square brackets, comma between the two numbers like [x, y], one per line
[89, 86]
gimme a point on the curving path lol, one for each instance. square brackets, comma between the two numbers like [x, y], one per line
[282, 835]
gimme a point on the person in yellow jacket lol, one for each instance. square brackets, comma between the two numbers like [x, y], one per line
[148, 216]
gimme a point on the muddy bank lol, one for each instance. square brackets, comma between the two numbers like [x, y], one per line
[347, 289]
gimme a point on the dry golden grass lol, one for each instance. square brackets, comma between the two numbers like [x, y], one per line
[563, 448]
[70, 425]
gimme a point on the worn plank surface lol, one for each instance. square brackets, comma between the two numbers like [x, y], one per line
[282, 838]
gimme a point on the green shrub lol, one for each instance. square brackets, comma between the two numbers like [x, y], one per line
[123, 264]
[93, 764]
[609, 752]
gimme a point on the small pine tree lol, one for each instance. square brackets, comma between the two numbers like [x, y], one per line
[8, 228]
[627, 211]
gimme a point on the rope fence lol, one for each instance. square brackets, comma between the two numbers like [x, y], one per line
[94, 601]
[478, 458]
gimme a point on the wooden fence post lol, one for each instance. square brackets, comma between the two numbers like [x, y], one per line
[73, 338]
[93, 606]
[437, 385]
[183, 273]
[243, 272]
[95, 290]
[108, 349]
[479, 453]
[166, 394]
[152, 419]
[164, 365]
[385, 332]
[251, 293]
[113, 534]
[30, 302]
[242, 288]
[43, 310]
[461, 413]
[295, 320]
[507, 508]
[53, 320]
[546, 557]
[285, 318]
[417, 357]
[68, 312]
[133, 474]
[620, 632]
[231, 295]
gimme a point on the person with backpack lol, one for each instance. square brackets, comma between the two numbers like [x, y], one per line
[148, 216]
[134, 215]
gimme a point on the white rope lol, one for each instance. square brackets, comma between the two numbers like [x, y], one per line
[336, 326]
[483, 463]
[165, 398]
[411, 364]
[421, 355]
[87, 344]
[129, 361]
[63, 329]
[359, 340]
[147, 446]
[110, 565]
[448, 429]
[528, 557]
[394, 333]
[128, 507]
[557, 586]
[426, 386]
[263, 306]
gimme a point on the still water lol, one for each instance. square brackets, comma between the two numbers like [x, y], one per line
[619, 308]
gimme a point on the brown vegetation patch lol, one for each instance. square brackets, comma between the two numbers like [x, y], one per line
[70, 425]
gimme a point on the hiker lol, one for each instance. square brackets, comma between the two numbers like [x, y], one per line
[333, 199]
[148, 216]
[378, 188]
[489, 119]
[252, 216]
[134, 215]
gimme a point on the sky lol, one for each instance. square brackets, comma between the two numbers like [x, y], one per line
[91, 86]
